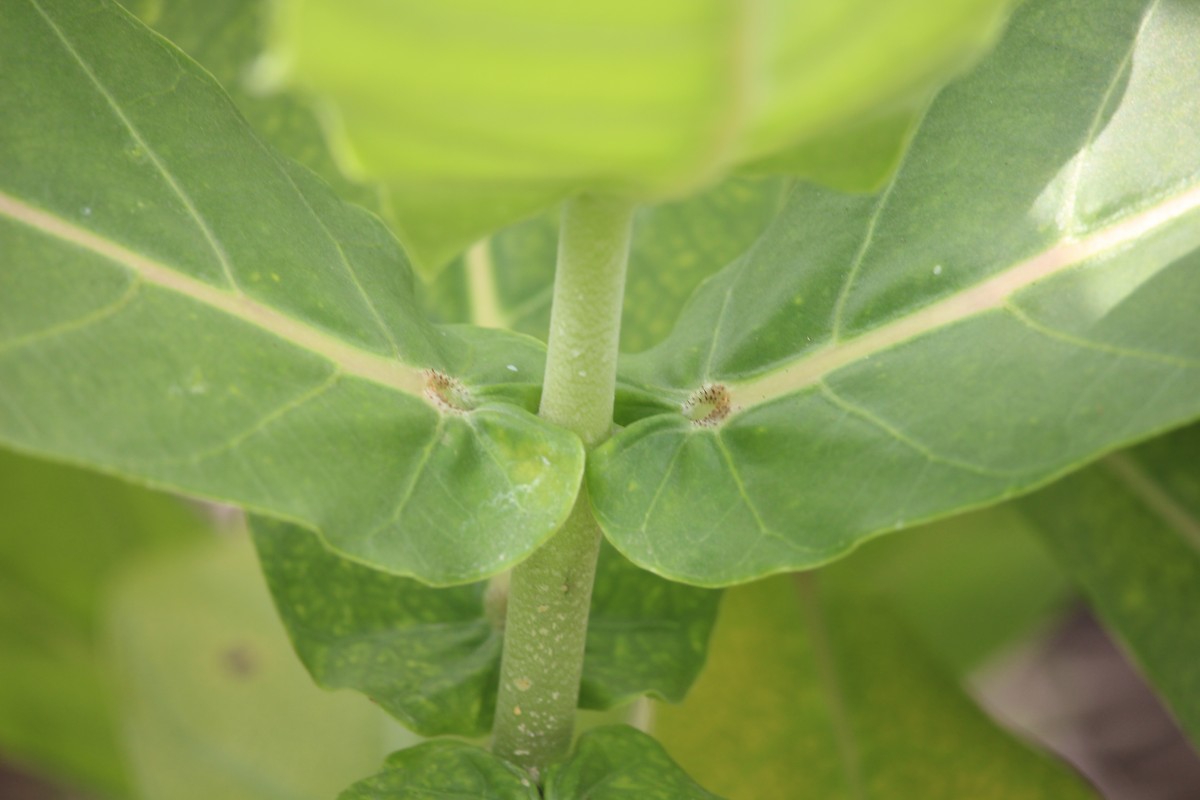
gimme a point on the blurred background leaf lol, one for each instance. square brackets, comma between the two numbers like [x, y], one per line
[63, 534]
[476, 116]
[815, 692]
[214, 702]
[1128, 532]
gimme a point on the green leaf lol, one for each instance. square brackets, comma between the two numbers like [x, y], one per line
[1014, 303]
[620, 762]
[645, 635]
[507, 281]
[859, 158]
[478, 116]
[182, 305]
[227, 37]
[1128, 530]
[215, 704]
[831, 698]
[431, 657]
[611, 762]
[65, 533]
[449, 770]
[967, 586]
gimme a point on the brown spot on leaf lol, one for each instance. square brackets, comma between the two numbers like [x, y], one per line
[447, 393]
[708, 405]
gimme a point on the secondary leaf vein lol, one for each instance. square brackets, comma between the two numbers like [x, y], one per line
[903, 438]
[188, 204]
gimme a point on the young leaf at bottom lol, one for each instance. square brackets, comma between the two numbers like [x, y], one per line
[431, 657]
[610, 763]
[618, 762]
[451, 770]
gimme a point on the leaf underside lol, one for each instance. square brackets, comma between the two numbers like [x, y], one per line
[1016, 301]
[184, 306]
[431, 657]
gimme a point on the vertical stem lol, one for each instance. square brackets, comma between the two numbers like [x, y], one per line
[550, 592]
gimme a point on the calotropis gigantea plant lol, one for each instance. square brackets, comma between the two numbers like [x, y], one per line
[1009, 295]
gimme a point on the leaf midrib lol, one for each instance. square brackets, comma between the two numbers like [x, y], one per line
[347, 358]
[994, 293]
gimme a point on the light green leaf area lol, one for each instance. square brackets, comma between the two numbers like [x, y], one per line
[844, 704]
[431, 657]
[619, 762]
[1128, 531]
[966, 586]
[1016, 301]
[181, 305]
[858, 158]
[214, 703]
[64, 534]
[507, 280]
[227, 37]
[445, 770]
[477, 116]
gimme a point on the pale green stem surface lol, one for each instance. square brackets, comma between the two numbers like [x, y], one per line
[550, 592]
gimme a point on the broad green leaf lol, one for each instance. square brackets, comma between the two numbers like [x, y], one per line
[1017, 300]
[215, 704]
[620, 762]
[1128, 530]
[431, 657]
[63, 535]
[830, 698]
[507, 280]
[445, 771]
[477, 116]
[182, 305]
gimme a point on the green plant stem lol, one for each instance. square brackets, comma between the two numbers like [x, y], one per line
[550, 592]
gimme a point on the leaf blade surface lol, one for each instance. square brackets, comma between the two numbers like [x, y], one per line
[1009, 307]
[184, 306]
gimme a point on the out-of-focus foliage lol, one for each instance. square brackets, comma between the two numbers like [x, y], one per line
[812, 692]
[64, 534]
[213, 701]
[476, 114]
